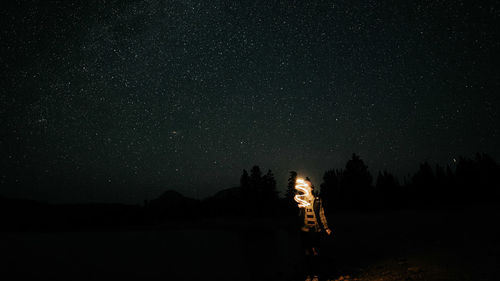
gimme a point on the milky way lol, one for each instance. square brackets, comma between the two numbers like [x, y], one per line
[117, 101]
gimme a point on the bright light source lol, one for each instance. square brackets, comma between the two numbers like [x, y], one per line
[304, 193]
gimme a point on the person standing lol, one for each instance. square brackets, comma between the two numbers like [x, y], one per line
[313, 223]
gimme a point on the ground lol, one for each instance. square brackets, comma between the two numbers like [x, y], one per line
[406, 245]
[413, 245]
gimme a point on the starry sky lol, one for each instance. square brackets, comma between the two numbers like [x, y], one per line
[118, 101]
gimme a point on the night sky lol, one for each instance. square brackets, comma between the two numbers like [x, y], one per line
[118, 101]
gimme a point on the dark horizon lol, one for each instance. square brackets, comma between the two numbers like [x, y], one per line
[403, 183]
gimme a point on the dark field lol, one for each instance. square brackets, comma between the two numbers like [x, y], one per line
[406, 245]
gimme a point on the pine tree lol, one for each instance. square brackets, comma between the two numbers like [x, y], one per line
[269, 186]
[244, 180]
[255, 178]
[290, 191]
[387, 187]
[329, 189]
[270, 198]
[424, 182]
[357, 182]
[246, 200]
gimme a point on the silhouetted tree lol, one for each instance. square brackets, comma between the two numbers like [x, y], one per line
[290, 188]
[255, 178]
[290, 204]
[246, 204]
[447, 186]
[388, 190]
[465, 176]
[477, 179]
[424, 175]
[244, 180]
[255, 196]
[424, 186]
[330, 191]
[261, 194]
[440, 186]
[269, 186]
[357, 183]
[487, 179]
[269, 193]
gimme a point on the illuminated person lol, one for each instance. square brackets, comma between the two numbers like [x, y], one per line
[313, 218]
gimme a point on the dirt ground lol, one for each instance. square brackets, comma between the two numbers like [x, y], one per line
[407, 245]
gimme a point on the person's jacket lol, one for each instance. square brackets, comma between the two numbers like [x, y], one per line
[313, 216]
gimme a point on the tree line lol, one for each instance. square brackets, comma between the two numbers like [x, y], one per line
[468, 182]
[472, 181]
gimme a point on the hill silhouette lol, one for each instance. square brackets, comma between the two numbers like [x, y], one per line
[170, 205]
[473, 181]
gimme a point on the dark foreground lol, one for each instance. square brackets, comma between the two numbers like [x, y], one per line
[405, 245]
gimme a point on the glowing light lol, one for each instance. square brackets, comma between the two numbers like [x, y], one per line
[302, 187]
